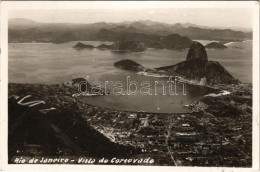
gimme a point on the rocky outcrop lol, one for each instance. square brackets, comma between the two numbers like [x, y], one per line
[215, 45]
[104, 46]
[129, 65]
[212, 72]
[175, 41]
[197, 52]
[197, 67]
[125, 45]
[80, 45]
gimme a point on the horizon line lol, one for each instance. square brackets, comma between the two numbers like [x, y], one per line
[243, 29]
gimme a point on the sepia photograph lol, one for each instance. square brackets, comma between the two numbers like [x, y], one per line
[135, 85]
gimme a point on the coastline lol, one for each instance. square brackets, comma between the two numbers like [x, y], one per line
[131, 85]
[129, 129]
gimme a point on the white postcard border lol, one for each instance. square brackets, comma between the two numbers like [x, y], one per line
[14, 5]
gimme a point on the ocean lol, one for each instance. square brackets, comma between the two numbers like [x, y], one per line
[57, 63]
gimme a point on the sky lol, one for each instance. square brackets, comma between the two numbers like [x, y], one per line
[213, 17]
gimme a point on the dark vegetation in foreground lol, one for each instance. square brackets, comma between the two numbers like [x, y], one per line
[61, 132]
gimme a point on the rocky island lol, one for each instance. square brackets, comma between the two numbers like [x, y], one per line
[198, 67]
[80, 46]
[124, 45]
[216, 45]
[104, 46]
[129, 65]
[119, 46]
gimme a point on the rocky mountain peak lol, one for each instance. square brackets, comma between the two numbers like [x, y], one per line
[197, 51]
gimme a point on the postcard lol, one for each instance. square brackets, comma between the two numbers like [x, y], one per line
[143, 86]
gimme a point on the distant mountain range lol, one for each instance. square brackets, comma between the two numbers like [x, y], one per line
[24, 30]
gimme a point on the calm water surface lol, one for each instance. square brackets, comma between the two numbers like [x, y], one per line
[56, 63]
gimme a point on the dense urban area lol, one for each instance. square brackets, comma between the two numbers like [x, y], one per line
[217, 131]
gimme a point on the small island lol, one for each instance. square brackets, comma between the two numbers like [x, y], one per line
[80, 45]
[129, 65]
[216, 45]
[104, 47]
[124, 45]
